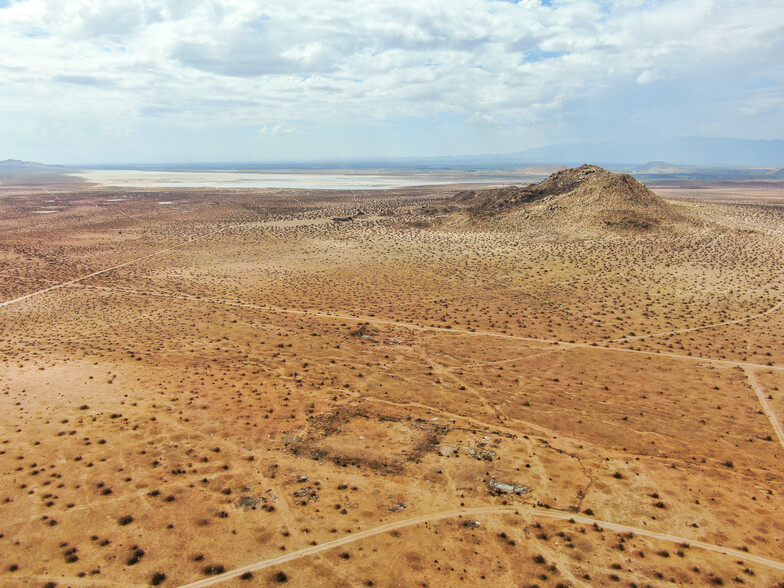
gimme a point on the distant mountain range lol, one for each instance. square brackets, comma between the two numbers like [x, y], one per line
[688, 154]
[658, 168]
[686, 151]
[16, 165]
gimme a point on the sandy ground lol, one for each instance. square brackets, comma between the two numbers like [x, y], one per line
[233, 388]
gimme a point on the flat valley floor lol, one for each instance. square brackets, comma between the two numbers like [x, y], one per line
[230, 387]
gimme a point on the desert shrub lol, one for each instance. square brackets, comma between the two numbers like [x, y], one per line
[135, 556]
[213, 569]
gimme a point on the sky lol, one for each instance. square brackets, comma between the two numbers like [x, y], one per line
[111, 81]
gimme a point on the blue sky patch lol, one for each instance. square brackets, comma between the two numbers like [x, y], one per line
[539, 54]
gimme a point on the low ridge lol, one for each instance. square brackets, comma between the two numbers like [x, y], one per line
[17, 165]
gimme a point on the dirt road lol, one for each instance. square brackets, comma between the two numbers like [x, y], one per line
[765, 404]
[472, 512]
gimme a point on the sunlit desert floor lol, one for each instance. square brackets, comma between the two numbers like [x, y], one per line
[204, 382]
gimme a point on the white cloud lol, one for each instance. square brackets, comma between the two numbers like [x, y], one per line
[649, 76]
[278, 130]
[484, 120]
[763, 103]
[212, 64]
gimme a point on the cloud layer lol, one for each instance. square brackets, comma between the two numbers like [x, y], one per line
[142, 79]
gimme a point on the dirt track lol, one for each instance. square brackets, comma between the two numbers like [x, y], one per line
[414, 326]
[774, 420]
[469, 512]
[771, 310]
[108, 269]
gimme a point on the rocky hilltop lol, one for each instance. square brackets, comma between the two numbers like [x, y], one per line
[588, 196]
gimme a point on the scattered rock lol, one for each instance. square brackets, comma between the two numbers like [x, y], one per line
[306, 495]
[446, 450]
[363, 332]
[247, 503]
[497, 487]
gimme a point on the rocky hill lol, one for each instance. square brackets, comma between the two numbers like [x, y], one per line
[587, 196]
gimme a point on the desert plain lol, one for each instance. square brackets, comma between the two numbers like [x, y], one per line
[576, 385]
